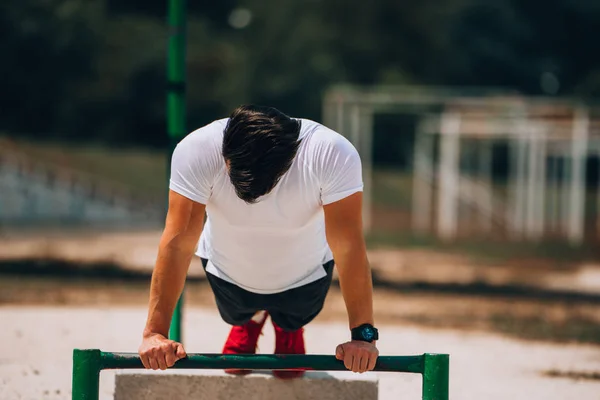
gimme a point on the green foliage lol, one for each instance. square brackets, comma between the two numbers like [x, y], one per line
[93, 70]
[48, 49]
[514, 43]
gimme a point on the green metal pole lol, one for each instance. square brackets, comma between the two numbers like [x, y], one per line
[176, 120]
[436, 369]
[411, 364]
[86, 374]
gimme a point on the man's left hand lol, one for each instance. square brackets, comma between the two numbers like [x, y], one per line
[358, 356]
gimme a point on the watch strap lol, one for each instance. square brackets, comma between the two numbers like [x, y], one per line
[365, 333]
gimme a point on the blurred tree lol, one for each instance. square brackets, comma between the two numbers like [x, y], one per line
[94, 69]
[124, 101]
[214, 11]
[48, 49]
[539, 47]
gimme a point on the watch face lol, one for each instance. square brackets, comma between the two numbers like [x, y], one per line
[368, 333]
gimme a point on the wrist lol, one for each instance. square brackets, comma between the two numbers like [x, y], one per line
[152, 332]
[365, 333]
[356, 323]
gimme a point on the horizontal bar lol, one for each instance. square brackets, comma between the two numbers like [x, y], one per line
[412, 364]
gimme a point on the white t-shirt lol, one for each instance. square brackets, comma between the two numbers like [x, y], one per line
[279, 242]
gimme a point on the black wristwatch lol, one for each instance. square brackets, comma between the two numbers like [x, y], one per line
[365, 333]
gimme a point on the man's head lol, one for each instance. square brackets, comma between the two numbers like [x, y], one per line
[259, 145]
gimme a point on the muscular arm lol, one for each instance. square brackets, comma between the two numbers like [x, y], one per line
[183, 226]
[343, 224]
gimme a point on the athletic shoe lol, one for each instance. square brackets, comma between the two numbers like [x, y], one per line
[289, 343]
[244, 340]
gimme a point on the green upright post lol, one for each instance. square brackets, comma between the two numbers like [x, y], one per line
[176, 120]
[436, 369]
[86, 374]
[175, 330]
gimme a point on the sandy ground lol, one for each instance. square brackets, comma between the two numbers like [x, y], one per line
[36, 345]
[44, 318]
[549, 319]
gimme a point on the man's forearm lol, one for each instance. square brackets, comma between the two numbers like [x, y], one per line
[357, 287]
[168, 280]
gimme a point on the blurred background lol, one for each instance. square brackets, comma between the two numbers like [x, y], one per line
[478, 123]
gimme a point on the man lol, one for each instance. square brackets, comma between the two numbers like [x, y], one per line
[283, 199]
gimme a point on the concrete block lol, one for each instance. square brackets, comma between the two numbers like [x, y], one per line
[216, 385]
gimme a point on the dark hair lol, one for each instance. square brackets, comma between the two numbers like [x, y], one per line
[259, 146]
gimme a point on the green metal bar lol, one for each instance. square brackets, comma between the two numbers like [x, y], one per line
[86, 374]
[436, 371]
[412, 364]
[176, 119]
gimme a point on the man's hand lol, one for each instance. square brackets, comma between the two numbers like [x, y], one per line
[158, 352]
[358, 356]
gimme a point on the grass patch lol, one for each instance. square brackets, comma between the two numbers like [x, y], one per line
[574, 329]
[392, 188]
[487, 250]
[142, 170]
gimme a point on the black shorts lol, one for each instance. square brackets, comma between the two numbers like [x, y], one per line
[290, 310]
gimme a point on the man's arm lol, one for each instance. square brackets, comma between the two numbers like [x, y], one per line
[183, 226]
[343, 225]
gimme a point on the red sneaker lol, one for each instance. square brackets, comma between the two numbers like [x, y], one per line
[243, 340]
[289, 343]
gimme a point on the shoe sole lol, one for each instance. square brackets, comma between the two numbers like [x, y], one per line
[239, 372]
[288, 374]
[277, 374]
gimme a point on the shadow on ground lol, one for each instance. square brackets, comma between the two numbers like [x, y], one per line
[107, 271]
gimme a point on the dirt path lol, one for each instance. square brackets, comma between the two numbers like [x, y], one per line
[136, 251]
[36, 345]
[43, 318]
[552, 320]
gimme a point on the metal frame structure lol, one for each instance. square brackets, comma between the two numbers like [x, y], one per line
[87, 365]
[536, 142]
[176, 108]
[549, 141]
[350, 110]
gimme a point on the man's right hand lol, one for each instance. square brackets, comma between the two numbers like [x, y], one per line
[158, 352]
